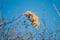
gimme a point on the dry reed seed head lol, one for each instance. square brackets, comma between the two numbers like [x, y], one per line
[33, 18]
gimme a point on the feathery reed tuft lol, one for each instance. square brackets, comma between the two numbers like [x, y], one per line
[33, 18]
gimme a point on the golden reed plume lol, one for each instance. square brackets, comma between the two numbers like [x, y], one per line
[33, 18]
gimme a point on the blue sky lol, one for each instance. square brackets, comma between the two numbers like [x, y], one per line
[42, 8]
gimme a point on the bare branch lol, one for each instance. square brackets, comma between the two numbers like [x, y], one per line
[56, 9]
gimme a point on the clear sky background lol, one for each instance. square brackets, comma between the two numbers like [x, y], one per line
[44, 9]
